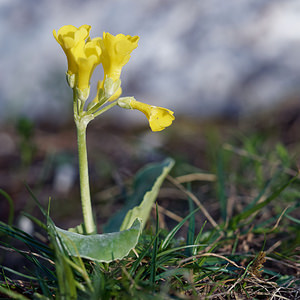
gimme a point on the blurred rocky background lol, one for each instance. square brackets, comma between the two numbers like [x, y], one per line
[198, 58]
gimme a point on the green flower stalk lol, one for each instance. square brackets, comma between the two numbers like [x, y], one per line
[81, 125]
[83, 55]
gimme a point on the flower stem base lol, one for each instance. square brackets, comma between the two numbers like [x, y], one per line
[89, 224]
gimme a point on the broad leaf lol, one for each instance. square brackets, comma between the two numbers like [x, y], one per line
[143, 182]
[102, 247]
[143, 210]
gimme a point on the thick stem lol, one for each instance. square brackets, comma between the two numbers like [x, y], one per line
[88, 219]
[82, 118]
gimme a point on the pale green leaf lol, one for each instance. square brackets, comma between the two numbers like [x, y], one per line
[143, 210]
[102, 247]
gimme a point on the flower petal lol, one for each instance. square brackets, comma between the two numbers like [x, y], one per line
[116, 52]
[68, 37]
[159, 118]
[86, 56]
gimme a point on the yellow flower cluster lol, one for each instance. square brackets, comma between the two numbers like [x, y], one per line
[113, 52]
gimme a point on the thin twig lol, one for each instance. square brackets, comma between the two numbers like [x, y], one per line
[196, 177]
[278, 296]
[29, 253]
[210, 254]
[167, 213]
[279, 219]
[195, 199]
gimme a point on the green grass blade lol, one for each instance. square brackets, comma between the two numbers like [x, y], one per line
[297, 221]
[65, 276]
[245, 214]
[37, 202]
[171, 273]
[172, 233]
[11, 206]
[155, 249]
[12, 294]
[35, 220]
[19, 274]
[24, 237]
[44, 286]
[142, 255]
[191, 229]
[261, 193]
[221, 185]
[198, 237]
[166, 252]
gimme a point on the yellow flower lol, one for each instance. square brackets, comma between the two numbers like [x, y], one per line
[159, 117]
[116, 53]
[68, 37]
[86, 56]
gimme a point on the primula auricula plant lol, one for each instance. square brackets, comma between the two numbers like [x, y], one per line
[84, 55]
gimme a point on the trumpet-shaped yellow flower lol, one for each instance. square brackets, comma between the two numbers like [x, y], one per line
[116, 53]
[86, 56]
[68, 37]
[159, 118]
